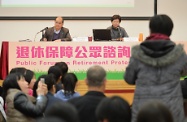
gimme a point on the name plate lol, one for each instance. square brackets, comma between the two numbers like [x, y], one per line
[131, 39]
[80, 39]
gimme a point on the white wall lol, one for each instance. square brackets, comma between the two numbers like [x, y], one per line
[176, 9]
[18, 30]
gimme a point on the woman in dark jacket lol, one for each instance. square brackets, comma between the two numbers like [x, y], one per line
[20, 106]
[155, 67]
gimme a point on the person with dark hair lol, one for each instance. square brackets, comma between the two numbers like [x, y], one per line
[36, 85]
[69, 81]
[57, 33]
[156, 66]
[20, 108]
[21, 70]
[63, 66]
[50, 82]
[86, 105]
[55, 70]
[64, 111]
[31, 79]
[154, 111]
[64, 69]
[117, 32]
[114, 109]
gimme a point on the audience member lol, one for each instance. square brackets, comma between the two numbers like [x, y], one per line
[86, 105]
[113, 109]
[36, 85]
[57, 33]
[21, 70]
[55, 70]
[19, 106]
[64, 111]
[154, 111]
[31, 79]
[117, 32]
[156, 66]
[64, 69]
[69, 80]
[50, 82]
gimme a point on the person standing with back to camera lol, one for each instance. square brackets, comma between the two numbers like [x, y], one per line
[57, 33]
[117, 32]
[155, 67]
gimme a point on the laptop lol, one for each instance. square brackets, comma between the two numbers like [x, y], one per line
[102, 34]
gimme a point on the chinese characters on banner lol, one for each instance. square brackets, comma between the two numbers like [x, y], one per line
[39, 56]
[72, 51]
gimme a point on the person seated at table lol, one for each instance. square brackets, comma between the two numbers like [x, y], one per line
[57, 33]
[117, 32]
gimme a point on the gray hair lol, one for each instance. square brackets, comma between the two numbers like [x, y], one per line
[96, 75]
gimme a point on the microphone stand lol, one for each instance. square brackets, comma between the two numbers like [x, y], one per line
[35, 36]
[43, 33]
[120, 36]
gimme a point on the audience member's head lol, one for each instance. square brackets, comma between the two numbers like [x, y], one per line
[161, 24]
[116, 20]
[30, 78]
[69, 80]
[36, 85]
[154, 111]
[55, 70]
[114, 109]
[15, 81]
[50, 119]
[96, 77]
[58, 23]
[20, 70]
[50, 82]
[63, 66]
[63, 110]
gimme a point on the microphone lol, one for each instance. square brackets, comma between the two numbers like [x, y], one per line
[44, 29]
[39, 32]
[119, 32]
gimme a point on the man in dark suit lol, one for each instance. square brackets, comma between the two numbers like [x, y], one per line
[58, 32]
[86, 105]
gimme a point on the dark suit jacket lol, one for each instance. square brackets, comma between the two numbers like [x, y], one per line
[87, 104]
[64, 34]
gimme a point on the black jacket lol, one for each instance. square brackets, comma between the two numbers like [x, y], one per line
[87, 104]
